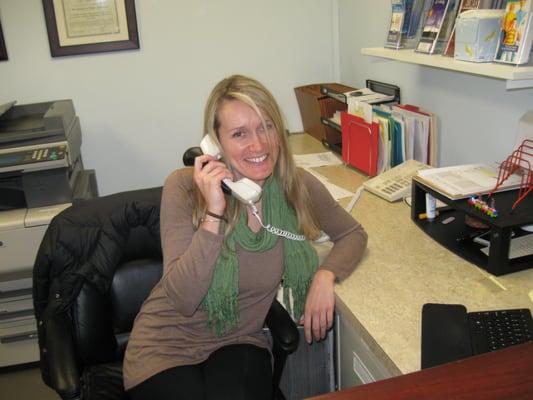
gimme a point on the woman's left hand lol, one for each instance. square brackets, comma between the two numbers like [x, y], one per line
[319, 306]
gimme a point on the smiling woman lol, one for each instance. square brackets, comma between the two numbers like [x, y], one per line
[249, 141]
[199, 334]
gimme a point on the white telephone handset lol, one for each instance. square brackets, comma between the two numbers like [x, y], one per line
[244, 190]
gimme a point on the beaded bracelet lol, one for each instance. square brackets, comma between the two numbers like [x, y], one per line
[221, 217]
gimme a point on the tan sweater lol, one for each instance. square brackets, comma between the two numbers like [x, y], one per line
[170, 330]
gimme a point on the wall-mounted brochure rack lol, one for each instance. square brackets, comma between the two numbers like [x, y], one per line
[515, 76]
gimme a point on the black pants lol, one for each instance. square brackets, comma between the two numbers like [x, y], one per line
[236, 372]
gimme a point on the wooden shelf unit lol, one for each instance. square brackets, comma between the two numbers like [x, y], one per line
[314, 106]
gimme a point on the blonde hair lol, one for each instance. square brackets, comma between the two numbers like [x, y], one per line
[255, 95]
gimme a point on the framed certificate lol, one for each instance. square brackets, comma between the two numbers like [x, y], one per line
[90, 26]
[3, 51]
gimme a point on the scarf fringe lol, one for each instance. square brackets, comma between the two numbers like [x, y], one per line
[298, 278]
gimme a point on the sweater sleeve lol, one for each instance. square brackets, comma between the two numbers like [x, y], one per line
[189, 255]
[348, 236]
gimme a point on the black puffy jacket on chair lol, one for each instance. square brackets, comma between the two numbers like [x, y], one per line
[97, 263]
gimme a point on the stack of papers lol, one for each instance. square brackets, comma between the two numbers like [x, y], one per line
[316, 159]
[405, 132]
[520, 247]
[462, 181]
[368, 96]
[308, 161]
[360, 102]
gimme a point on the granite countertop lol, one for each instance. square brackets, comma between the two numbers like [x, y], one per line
[404, 268]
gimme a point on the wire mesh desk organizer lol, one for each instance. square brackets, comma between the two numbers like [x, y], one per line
[501, 241]
[517, 162]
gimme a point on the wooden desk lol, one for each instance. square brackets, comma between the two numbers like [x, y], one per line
[500, 375]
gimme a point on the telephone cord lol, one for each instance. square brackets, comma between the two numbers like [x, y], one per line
[276, 231]
[354, 199]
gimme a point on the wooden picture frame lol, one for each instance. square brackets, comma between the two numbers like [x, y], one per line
[3, 50]
[94, 26]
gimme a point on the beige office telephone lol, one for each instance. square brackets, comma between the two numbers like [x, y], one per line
[395, 183]
[244, 190]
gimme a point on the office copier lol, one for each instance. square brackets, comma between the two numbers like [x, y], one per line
[41, 173]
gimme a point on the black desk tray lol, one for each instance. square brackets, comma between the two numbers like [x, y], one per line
[501, 228]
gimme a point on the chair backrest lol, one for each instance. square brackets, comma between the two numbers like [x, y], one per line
[102, 321]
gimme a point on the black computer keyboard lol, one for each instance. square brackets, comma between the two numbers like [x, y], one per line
[493, 330]
[450, 333]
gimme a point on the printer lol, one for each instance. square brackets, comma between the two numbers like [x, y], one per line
[41, 173]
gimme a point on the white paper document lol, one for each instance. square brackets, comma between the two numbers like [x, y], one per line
[368, 96]
[316, 159]
[336, 191]
[520, 247]
[464, 180]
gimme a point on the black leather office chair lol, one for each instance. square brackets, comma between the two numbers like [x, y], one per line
[97, 263]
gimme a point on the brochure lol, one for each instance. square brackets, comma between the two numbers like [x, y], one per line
[432, 27]
[516, 34]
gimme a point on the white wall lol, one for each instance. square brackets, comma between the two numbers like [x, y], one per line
[478, 117]
[141, 109]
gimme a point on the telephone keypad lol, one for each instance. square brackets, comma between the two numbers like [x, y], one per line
[395, 183]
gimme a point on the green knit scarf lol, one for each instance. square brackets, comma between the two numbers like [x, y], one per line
[300, 261]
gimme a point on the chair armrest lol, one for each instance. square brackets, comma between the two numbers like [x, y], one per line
[282, 328]
[62, 368]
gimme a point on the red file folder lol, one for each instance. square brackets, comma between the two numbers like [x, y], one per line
[360, 141]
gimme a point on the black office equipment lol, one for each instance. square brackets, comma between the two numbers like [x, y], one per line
[501, 228]
[450, 333]
[40, 156]
[494, 330]
[444, 334]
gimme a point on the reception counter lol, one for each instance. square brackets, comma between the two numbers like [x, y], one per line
[379, 305]
[499, 375]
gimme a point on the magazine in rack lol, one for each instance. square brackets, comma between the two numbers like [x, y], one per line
[394, 37]
[432, 27]
[516, 33]
[407, 20]
[446, 29]
[464, 6]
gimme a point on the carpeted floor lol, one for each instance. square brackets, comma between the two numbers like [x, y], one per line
[25, 384]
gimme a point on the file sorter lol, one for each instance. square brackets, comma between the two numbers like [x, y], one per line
[360, 141]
